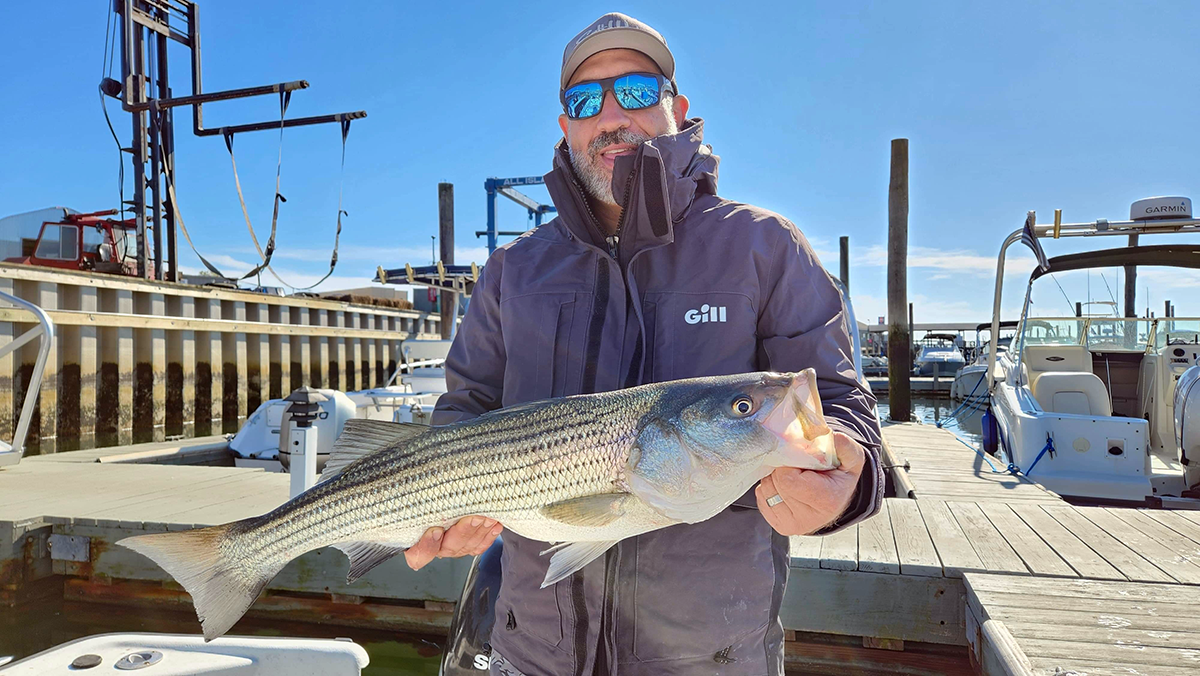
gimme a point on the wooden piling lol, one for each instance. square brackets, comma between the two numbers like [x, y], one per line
[150, 386]
[449, 300]
[319, 350]
[1131, 284]
[844, 267]
[899, 335]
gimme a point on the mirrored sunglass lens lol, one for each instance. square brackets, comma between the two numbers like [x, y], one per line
[584, 100]
[635, 92]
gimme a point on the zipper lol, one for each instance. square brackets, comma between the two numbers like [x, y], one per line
[615, 239]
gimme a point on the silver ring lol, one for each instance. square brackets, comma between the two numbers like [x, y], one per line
[774, 500]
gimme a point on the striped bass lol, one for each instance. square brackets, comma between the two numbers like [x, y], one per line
[583, 472]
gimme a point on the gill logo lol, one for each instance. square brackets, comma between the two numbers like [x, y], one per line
[706, 313]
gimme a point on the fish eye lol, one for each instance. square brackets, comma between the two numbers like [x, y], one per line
[743, 406]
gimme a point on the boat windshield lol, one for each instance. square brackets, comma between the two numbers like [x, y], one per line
[1107, 334]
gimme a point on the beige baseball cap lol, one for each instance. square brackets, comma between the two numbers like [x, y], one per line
[617, 31]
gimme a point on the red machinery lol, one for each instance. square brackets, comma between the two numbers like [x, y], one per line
[60, 238]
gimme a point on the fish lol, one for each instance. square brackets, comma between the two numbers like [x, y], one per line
[579, 473]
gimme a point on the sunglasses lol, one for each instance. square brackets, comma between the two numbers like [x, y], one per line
[633, 91]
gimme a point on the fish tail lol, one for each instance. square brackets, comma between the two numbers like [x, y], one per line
[222, 588]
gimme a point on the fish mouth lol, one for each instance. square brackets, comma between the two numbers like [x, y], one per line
[797, 421]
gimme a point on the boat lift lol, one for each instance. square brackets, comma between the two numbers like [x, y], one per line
[505, 187]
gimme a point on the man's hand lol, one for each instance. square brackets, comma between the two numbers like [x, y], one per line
[469, 536]
[811, 499]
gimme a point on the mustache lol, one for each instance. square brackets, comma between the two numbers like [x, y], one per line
[609, 138]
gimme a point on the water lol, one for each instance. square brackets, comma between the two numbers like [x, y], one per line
[965, 421]
[44, 624]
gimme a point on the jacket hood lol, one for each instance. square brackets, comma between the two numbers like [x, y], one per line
[670, 170]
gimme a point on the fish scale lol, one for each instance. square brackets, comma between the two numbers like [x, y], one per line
[558, 471]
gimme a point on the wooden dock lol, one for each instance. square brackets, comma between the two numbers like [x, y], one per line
[137, 361]
[981, 562]
[937, 387]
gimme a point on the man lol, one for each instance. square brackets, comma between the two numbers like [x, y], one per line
[646, 275]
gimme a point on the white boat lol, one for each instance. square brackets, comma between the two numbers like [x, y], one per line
[190, 655]
[1085, 405]
[409, 396]
[970, 383]
[939, 356]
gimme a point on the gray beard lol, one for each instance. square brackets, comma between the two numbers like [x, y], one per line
[596, 178]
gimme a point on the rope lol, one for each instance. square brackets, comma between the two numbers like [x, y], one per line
[1048, 447]
[965, 401]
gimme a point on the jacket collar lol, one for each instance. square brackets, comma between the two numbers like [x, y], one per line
[669, 171]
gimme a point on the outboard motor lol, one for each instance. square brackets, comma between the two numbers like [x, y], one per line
[467, 647]
[1187, 416]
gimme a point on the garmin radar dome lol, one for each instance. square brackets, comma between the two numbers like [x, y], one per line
[1159, 208]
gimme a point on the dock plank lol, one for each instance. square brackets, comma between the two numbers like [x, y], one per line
[1074, 551]
[1180, 660]
[1149, 548]
[1116, 633]
[1124, 559]
[1037, 555]
[839, 550]
[914, 547]
[993, 550]
[877, 544]
[1171, 539]
[1077, 624]
[1053, 665]
[1176, 522]
[953, 547]
[805, 551]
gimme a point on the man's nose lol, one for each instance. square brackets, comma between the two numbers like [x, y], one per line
[612, 116]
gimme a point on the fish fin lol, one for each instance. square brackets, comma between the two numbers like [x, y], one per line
[573, 557]
[360, 438]
[221, 589]
[589, 510]
[366, 555]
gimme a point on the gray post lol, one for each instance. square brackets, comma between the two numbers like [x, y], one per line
[1131, 283]
[844, 270]
[899, 334]
[1078, 309]
[446, 236]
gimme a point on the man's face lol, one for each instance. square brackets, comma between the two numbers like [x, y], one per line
[597, 141]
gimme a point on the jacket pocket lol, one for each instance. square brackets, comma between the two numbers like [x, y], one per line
[538, 332]
[703, 587]
[699, 334]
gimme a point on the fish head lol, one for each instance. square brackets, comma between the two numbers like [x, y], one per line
[725, 434]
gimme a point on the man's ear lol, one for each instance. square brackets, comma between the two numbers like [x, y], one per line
[679, 107]
[562, 123]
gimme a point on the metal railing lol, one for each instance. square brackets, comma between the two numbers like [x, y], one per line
[10, 454]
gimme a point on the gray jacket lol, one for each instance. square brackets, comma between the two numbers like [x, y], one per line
[559, 311]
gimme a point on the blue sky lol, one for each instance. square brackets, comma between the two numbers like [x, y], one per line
[1083, 106]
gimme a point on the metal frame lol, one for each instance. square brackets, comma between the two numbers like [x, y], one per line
[10, 454]
[146, 27]
[1058, 230]
[504, 186]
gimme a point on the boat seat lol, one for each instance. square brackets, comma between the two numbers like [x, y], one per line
[1038, 359]
[1072, 392]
